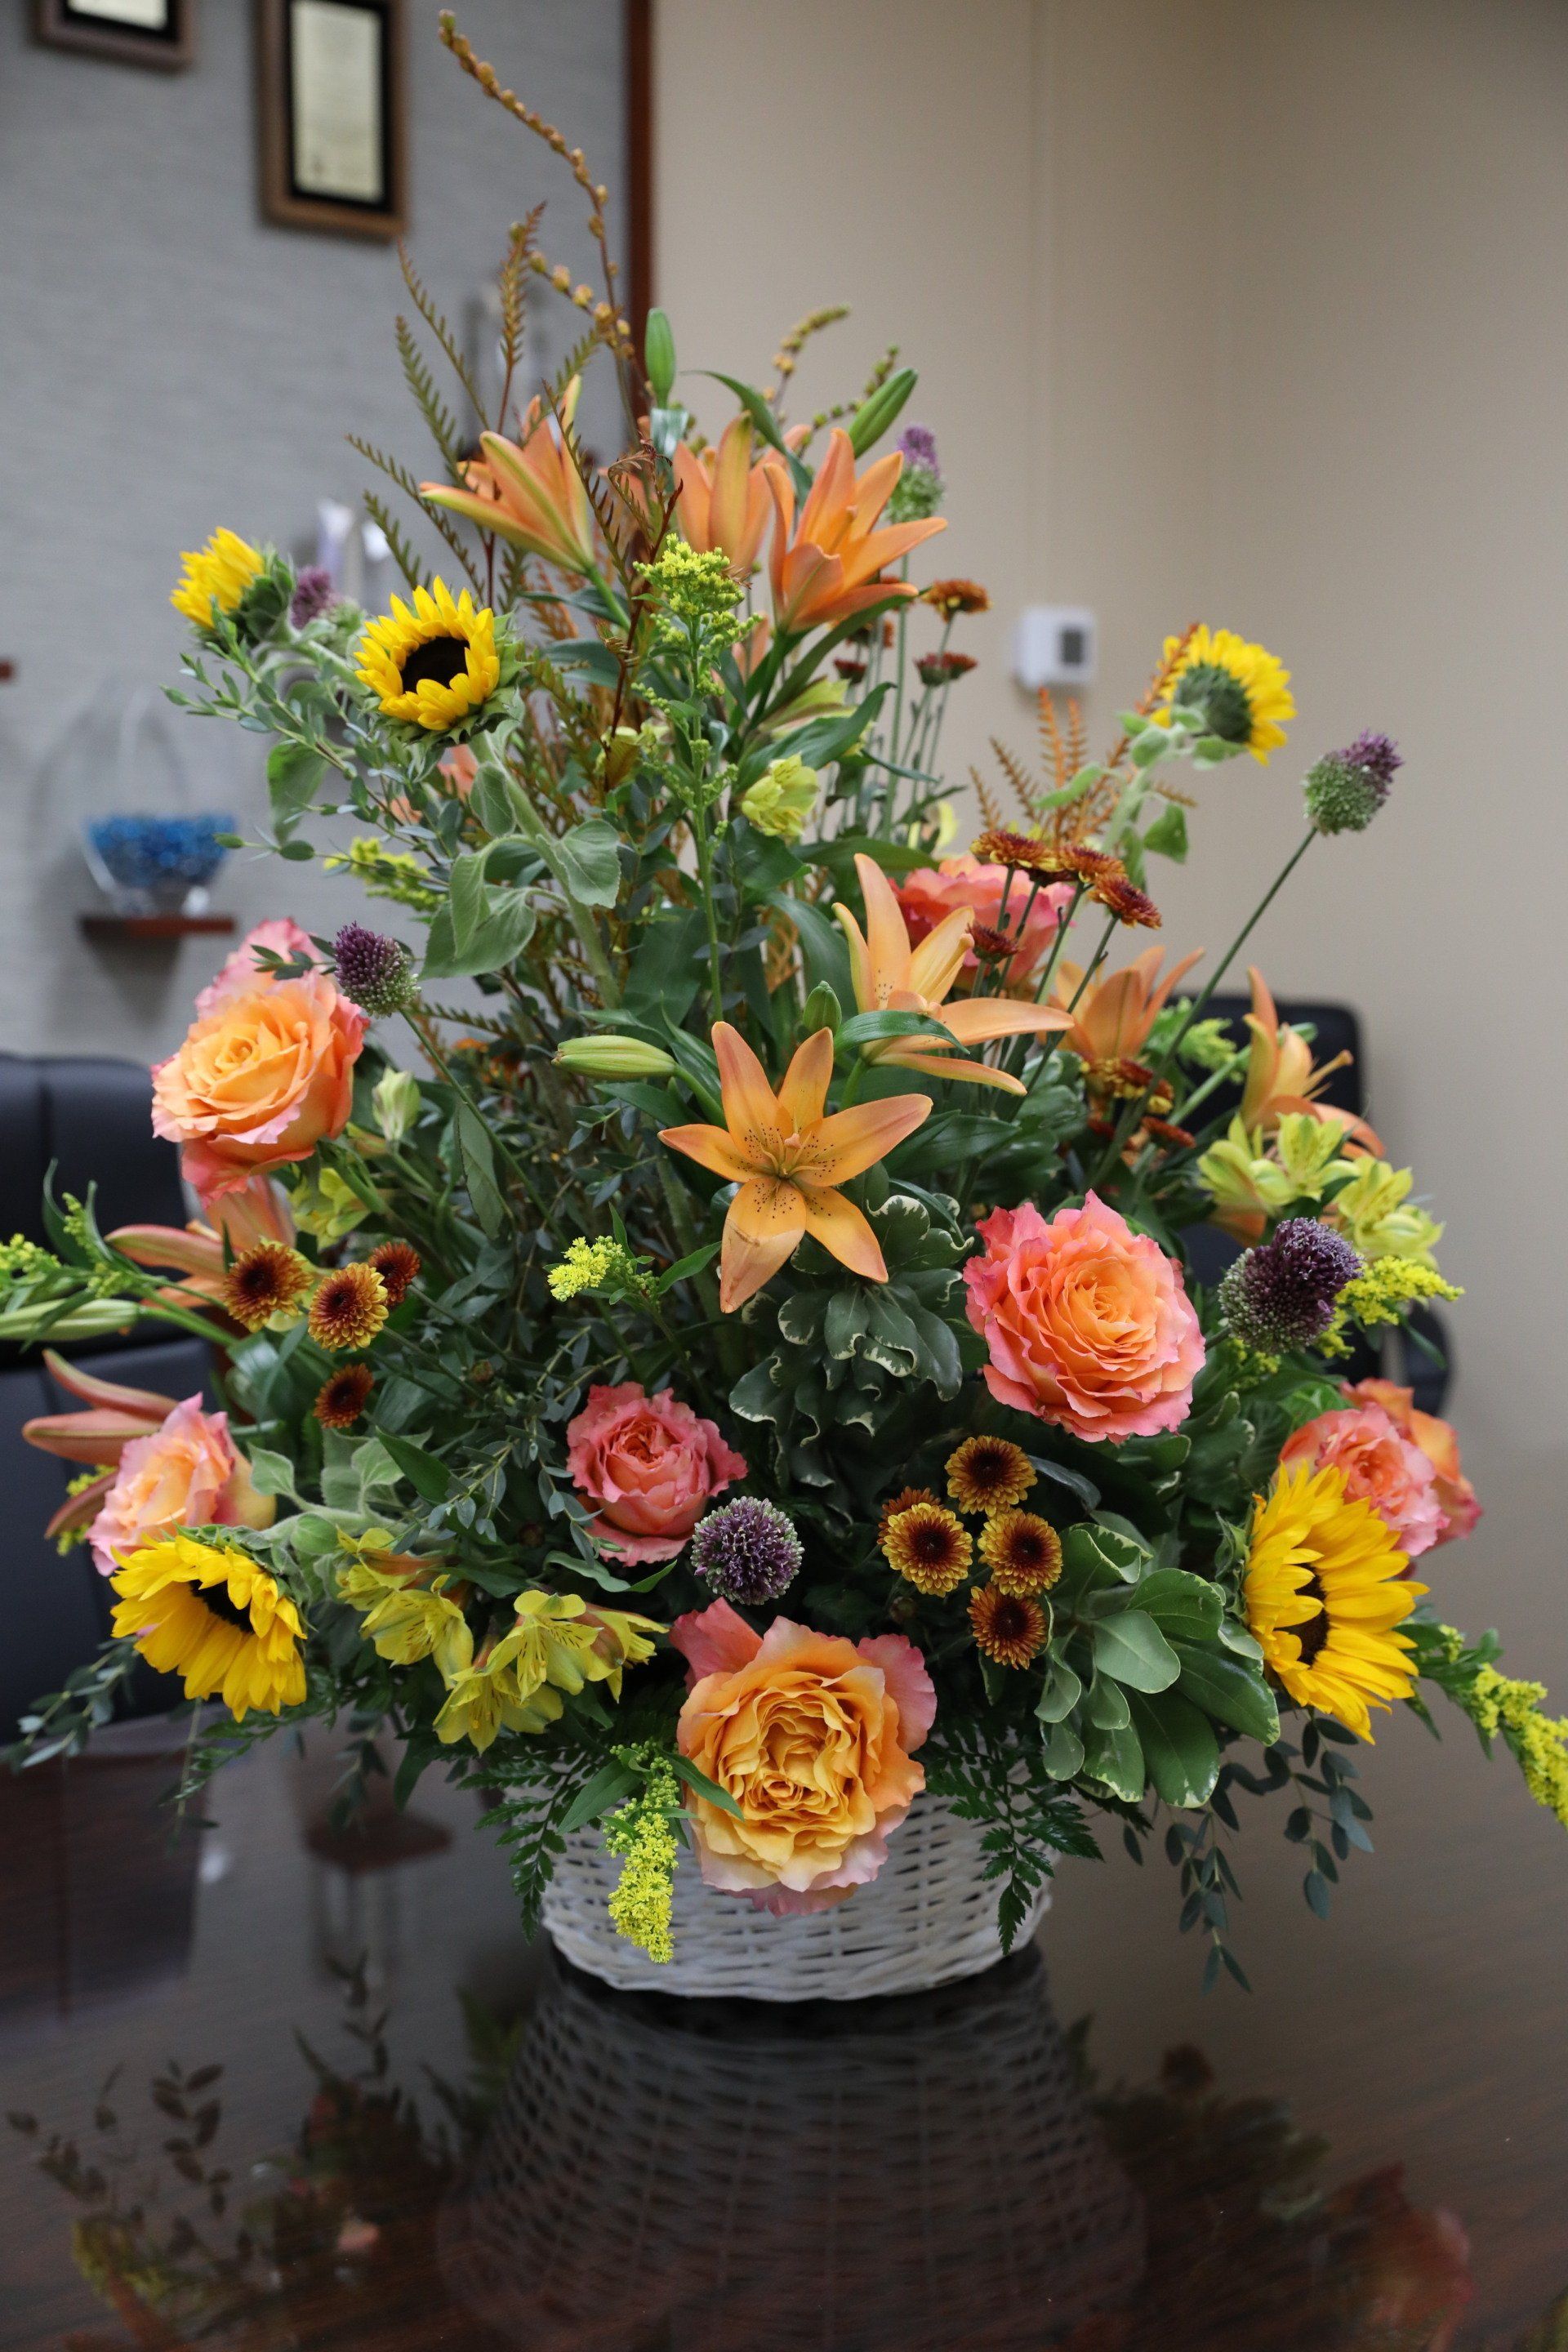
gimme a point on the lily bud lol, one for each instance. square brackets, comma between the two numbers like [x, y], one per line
[658, 356]
[823, 1011]
[396, 1100]
[603, 1056]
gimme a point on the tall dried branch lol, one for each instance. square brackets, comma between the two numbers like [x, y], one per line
[420, 297]
[398, 473]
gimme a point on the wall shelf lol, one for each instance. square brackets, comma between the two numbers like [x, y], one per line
[114, 928]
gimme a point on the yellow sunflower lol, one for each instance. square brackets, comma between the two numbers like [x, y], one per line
[207, 1611]
[433, 666]
[1324, 1590]
[1243, 690]
[214, 577]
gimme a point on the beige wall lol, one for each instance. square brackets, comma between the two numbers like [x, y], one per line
[1254, 315]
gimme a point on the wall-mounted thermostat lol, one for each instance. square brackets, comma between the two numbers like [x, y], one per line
[1054, 645]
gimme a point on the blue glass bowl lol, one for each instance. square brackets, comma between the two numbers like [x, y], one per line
[159, 858]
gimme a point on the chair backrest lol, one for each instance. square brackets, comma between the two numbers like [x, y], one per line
[91, 1119]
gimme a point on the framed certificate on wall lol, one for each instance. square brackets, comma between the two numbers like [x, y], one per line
[333, 115]
[129, 32]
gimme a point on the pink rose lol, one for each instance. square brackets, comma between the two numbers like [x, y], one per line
[241, 975]
[1455, 1495]
[930, 893]
[651, 1464]
[185, 1474]
[811, 1735]
[1088, 1323]
[259, 1080]
[1381, 1466]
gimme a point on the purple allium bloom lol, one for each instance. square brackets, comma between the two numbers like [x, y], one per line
[1282, 1294]
[313, 595]
[376, 972]
[1379, 757]
[918, 446]
[747, 1551]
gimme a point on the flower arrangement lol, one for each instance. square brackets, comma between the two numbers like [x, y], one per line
[750, 1370]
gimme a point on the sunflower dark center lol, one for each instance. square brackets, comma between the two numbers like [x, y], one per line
[215, 1597]
[1224, 702]
[1315, 1633]
[436, 663]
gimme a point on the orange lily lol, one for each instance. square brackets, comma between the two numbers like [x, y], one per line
[889, 976]
[722, 503]
[99, 1436]
[832, 569]
[789, 1159]
[1113, 1018]
[527, 492]
[1280, 1075]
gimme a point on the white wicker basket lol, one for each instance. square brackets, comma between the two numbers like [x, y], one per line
[916, 2174]
[928, 1918]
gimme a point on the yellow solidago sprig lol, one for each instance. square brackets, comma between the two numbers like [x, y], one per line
[1500, 1706]
[606, 1268]
[1382, 1295]
[642, 1833]
[383, 873]
[697, 595]
[434, 664]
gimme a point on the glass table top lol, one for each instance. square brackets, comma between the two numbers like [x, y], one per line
[273, 2085]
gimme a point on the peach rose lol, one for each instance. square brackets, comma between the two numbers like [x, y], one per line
[1088, 1323]
[651, 1464]
[931, 892]
[1455, 1495]
[1382, 1466]
[185, 1474]
[259, 1081]
[242, 975]
[811, 1736]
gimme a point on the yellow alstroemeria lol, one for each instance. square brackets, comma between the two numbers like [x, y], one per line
[1281, 1075]
[561, 1639]
[483, 1699]
[891, 976]
[789, 1159]
[1112, 1017]
[829, 565]
[527, 492]
[1375, 1214]
[723, 504]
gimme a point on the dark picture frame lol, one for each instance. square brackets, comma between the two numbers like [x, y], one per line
[166, 39]
[333, 115]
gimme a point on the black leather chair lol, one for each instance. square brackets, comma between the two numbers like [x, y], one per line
[1425, 1367]
[91, 1120]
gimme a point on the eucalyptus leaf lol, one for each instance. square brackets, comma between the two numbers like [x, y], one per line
[1131, 1648]
[588, 861]
[1179, 1747]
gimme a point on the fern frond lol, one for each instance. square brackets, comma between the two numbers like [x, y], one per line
[575, 361]
[397, 472]
[989, 807]
[419, 295]
[1017, 775]
[1053, 744]
[512, 287]
[442, 424]
[403, 555]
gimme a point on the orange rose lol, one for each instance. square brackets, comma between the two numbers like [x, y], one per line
[1455, 1495]
[810, 1734]
[1087, 1324]
[186, 1473]
[259, 1080]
